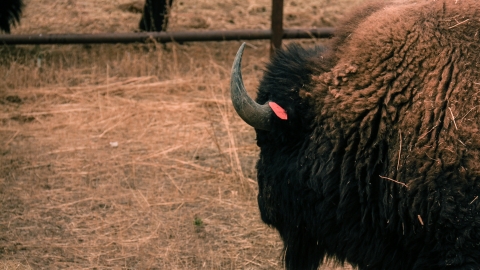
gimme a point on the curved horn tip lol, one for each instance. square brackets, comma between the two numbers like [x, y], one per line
[237, 62]
[254, 114]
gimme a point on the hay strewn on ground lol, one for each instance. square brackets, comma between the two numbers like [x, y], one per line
[130, 156]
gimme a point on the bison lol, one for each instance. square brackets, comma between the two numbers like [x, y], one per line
[10, 12]
[370, 144]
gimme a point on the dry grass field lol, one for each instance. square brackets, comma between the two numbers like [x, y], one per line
[131, 156]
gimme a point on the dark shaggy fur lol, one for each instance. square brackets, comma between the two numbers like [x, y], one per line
[378, 164]
[155, 15]
[10, 12]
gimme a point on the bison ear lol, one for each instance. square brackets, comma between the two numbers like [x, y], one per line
[278, 110]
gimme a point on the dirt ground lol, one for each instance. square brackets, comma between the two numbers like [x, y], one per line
[131, 156]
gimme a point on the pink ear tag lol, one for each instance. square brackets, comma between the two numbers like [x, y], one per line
[279, 111]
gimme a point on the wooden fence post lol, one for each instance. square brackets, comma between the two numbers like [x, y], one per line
[277, 26]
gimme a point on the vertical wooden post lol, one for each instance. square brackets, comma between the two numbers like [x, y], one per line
[277, 25]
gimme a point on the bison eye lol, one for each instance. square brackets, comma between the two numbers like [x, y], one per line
[279, 111]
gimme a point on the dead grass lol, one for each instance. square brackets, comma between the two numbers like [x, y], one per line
[130, 156]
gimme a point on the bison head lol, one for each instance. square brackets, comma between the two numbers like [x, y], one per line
[281, 113]
[282, 116]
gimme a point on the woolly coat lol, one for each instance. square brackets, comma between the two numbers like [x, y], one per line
[378, 163]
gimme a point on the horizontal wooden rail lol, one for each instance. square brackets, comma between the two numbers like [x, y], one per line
[163, 37]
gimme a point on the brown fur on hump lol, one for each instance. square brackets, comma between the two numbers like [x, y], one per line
[350, 23]
[406, 87]
[346, 27]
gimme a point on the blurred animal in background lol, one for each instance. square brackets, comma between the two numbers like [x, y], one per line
[370, 145]
[10, 12]
[155, 15]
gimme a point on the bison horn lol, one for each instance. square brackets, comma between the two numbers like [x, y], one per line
[254, 114]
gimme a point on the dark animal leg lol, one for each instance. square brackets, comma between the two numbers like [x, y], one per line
[155, 15]
[10, 13]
